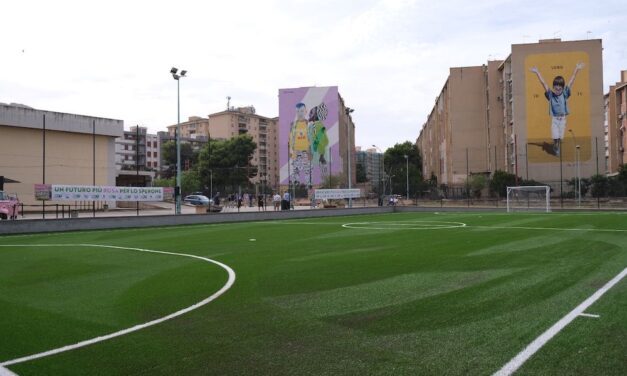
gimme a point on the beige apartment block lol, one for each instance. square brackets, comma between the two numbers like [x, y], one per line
[616, 125]
[39, 147]
[238, 121]
[527, 122]
[497, 117]
[463, 134]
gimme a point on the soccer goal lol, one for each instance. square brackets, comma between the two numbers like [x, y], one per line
[531, 198]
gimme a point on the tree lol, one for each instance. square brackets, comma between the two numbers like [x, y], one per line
[168, 155]
[477, 183]
[585, 186]
[600, 185]
[361, 173]
[171, 182]
[500, 181]
[396, 167]
[228, 161]
[190, 182]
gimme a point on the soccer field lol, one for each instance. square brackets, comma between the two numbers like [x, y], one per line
[390, 294]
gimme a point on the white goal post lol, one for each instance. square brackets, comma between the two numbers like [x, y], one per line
[529, 198]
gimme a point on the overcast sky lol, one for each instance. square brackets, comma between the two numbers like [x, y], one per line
[390, 58]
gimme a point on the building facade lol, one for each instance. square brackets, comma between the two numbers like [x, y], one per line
[38, 147]
[372, 162]
[316, 137]
[616, 125]
[234, 122]
[137, 157]
[497, 116]
[463, 133]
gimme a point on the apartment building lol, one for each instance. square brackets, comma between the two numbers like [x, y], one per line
[316, 137]
[462, 133]
[616, 124]
[497, 116]
[234, 122]
[137, 157]
[372, 161]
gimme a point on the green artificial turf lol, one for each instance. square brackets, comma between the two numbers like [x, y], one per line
[391, 297]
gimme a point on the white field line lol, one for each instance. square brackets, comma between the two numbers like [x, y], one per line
[404, 225]
[534, 346]
[6, 372]
[547, 228]
[589, 315]
[135, 328]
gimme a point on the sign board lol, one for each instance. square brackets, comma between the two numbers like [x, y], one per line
[335, 194]
[98, 193]
[43, 191]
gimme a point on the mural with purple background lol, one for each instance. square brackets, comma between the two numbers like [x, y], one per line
[308, 134]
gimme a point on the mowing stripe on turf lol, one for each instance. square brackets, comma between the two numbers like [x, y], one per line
[534, 346]
[227, 285]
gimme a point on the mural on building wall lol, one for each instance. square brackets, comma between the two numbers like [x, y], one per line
[308, 135]
[558, 107]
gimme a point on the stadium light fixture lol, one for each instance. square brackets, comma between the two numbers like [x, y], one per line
[177, 190]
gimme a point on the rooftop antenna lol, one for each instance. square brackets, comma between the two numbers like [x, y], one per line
[228, 103]
[588, 34]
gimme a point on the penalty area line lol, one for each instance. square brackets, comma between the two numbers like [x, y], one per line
[545, 337]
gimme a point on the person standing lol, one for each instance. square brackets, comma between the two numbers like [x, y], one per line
[286, 201]
[276, 200]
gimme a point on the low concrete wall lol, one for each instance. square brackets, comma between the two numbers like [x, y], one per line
[78, 224]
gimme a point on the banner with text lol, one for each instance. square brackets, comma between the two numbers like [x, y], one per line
[334, 194]
[104, 193]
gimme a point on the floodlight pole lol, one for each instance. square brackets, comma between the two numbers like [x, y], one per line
[178, 192]
[348, 153]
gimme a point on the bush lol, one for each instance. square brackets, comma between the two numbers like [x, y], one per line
[500, 181]
[600, 185]
[477, 183]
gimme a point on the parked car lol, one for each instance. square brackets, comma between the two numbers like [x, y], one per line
[198, 200]
[9, 206]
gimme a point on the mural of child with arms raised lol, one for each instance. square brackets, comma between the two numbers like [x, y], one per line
[558, 104]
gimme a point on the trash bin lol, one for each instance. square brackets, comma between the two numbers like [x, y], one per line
[73, 213]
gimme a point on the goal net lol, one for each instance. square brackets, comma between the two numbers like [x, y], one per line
[530, 198]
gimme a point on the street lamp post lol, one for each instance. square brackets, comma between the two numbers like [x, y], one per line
[407, 173]
[577, 182]
[578, 178]
[348, 152]
[211, 184]
[177, 190]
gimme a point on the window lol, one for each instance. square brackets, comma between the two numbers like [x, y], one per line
[149, 154]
